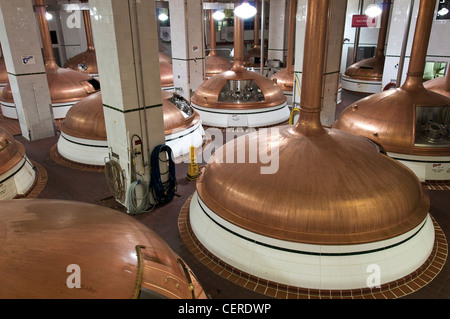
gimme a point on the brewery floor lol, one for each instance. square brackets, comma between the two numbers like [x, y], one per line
[66, 183]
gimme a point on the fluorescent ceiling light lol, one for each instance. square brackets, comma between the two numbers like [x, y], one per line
[163, 17]
[48, 16]
[245, 11]
[442, 12]
[218, 15]
[373, 10]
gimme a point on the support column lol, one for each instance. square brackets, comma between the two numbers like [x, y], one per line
[188, 52]
[23, 58]
[277, 30]
[332, 59]
[126, 44]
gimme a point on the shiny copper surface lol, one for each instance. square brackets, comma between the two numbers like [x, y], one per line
[11, 151]
[331, 187]
[166, 71]
[285, 77]
[439, 85]
[165, 58]
[3, 73]
[207, 94]
[372, 69]
[214, 64]
[86, 118]
[255, 51]
[388, 118]
[65, 85]
[114, 252]
[85, 62]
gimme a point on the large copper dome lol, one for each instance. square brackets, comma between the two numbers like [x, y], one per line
[11, 151]
[439, 85]
[3, 73]
[166, 73]
[118, 257]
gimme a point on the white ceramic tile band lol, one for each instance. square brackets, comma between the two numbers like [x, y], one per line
[306, 265]
[19, 180]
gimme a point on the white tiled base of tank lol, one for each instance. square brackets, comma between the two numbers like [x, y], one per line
[181, 142]
[290, 96]
[360, 85]
[243, 118]
[312, 266]
[18, 180]
[426, 168]
[84, 151]
[59, 110]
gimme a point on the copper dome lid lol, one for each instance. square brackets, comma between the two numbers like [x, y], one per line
[214, 92]
[3, 73]
[11, 151]
[165, 58]
[392, 118]
[371, 69]
[65, 85]
[118, 256]
[86, 118]
[85, 62]
[166, 73]
[331, 187]
[439, 85]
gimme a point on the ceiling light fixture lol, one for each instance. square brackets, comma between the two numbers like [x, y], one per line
[218, 15]
[373, 10]
[245, 10]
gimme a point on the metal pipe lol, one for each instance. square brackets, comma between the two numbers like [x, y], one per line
[256, 25]
[238, 42]
[414, 76]
[313, 67]
[47, 45]
[404, 44]
[291, 36]
[357, 32]
[383, 28]
[88, 28]
[261, 60]
[212, 33]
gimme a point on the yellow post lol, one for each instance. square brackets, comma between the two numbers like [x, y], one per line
[193, 170]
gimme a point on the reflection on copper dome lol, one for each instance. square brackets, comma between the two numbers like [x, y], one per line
[165, 58]
[166, 70]
[11, 151]
[439, 85]
[118, 257]
[3, 73]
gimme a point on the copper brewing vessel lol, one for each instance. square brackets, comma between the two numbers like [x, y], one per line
[214, 63]
[371, 69]
[165, 58]
[85, 62]
[166, 74]
[254, 54]
[11, 151]
[389, 117]
[207, 94]
[285, 77]
[439, 85]
[65, 85]
[3, 72]
[117, 257]
[330, 187]
[86, 119]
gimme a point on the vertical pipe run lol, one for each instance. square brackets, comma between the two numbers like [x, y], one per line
[88, 28]
[261, 61]
[383, 28]
[357, 32]
[47, 45]
[212, 33]
[291, 36]
[238, 62]
[414, 77]
[404, 44]
[313, 67]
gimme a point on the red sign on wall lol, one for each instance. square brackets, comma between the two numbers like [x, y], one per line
[363, 21]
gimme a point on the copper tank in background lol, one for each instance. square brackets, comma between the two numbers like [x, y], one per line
[253, 57]
[328, 190]
[439, 85]
[220, 99]
[214, 63]
[66, 86]
[4, 80]
[410, 122]
[370, 70]
[285, 77]
[83, 137]
[85, 62]
[49, 242]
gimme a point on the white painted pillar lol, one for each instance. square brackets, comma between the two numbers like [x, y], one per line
[126, 44]
[20, 40]
[188, 52]
[277, 47]
[333, 57]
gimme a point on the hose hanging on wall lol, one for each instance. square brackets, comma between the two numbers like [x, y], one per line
[163, 192]
[114, 178]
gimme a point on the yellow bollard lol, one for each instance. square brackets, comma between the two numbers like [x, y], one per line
[193, 170]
